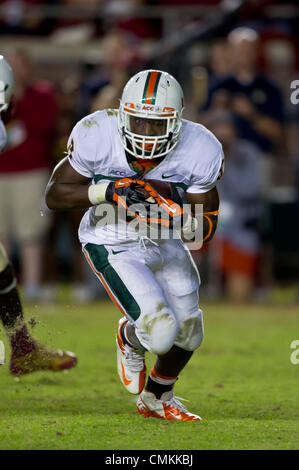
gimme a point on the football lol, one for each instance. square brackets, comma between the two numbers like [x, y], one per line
[163, 188]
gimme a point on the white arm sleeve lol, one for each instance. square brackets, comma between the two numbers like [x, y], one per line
[3, 137]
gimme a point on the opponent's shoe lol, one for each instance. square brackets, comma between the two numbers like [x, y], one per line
[131, 366]
[167, 407]
[41, 358]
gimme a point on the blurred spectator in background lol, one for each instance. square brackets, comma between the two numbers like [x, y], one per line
[17, 17]
[108, 96]
[123, 15]
[257, 107]
[24, 170]
[280, 62]
[237, 242]
[220, 61]
[255, 101]
[63, 258]
[119, 59]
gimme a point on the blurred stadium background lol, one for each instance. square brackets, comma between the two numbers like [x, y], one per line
[236, 61]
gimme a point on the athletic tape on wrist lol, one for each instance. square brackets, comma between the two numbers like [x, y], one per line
[97, 192]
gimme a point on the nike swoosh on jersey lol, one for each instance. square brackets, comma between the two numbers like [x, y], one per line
[116, 252]
[167, 176]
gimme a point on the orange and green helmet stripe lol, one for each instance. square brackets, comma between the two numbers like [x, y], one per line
[150, 87]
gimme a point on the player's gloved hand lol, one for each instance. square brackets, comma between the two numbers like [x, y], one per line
[138, 199]
[123, 192]
[158, 210]
[126, 193]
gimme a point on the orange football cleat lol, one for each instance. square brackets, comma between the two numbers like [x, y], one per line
[167, 407]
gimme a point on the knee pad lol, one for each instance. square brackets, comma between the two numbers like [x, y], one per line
[191, 332]
[163, 332]
[7, 280]
[3, 258]
[157, 332]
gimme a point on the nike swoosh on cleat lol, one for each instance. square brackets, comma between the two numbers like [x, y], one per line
[175, 416]
[126, 381]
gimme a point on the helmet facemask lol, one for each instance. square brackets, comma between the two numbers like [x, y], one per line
[166, 128]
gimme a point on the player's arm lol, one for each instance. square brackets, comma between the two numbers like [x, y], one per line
[210, 205]
[67, 189]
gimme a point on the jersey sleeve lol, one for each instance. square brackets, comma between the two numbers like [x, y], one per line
[80, 156]
[208, 167]
[2, 135]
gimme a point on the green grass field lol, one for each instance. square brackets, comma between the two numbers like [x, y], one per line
[241, 382]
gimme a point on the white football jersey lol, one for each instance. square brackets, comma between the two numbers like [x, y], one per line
[2, 135]
[96, 151]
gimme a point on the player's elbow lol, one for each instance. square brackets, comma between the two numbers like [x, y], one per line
[50, 201]
[52, 197]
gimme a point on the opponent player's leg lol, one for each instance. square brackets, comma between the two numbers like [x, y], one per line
[180, 283]
[26, 354]
[148, 324]
[11, 313]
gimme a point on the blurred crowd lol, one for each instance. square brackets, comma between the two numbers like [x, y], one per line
[238, 84]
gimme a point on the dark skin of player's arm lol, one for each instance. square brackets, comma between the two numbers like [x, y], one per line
[67, 189]
[210, 203]
[171, 363]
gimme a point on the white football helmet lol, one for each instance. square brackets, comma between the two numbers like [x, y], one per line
[153, 97]
[6, 83]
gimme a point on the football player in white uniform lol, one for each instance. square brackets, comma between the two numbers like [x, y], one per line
[152, 280]
[26, 354]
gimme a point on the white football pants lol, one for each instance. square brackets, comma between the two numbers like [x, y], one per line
[156, 287]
